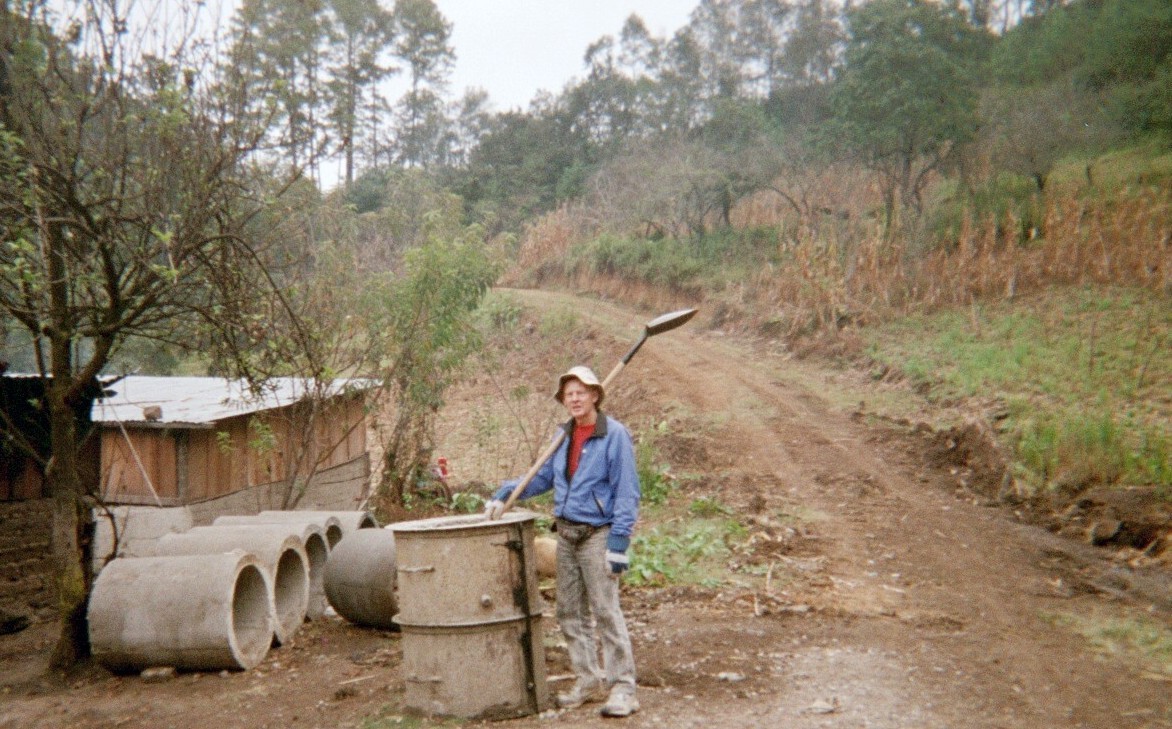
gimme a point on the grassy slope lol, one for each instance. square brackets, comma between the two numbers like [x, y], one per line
[1080, 379]
[1076, 375]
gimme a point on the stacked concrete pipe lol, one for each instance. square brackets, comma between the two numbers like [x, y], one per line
[198, 612]
[317, 550]
[350, 520]
[278, 548]
[360, 579]
[331, 525]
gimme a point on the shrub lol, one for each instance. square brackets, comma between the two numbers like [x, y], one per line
[655, 479]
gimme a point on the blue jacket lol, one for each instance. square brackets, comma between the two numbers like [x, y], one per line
[605, 488]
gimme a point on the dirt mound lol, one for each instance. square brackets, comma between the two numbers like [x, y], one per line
[1136, 518]
[973, 454]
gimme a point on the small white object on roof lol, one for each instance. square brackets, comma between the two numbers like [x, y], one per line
[201, 401]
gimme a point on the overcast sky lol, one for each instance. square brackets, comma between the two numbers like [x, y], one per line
[514, 48]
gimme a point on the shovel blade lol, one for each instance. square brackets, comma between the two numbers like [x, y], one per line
[667, 322]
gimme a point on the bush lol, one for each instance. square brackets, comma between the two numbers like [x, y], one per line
[655, 479]
[1003, 198]
[663, 262]
[500, 313]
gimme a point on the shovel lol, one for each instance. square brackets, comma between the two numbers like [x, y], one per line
[658, 325]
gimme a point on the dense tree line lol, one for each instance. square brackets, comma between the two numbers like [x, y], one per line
[905, 88]
[749, 88]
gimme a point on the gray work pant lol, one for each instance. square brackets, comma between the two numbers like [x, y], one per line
[588, 597]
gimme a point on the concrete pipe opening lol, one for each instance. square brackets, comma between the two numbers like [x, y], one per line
[360, 578]
[252, 613]
[193, 612]
[318, 553]
[290, 593]
[278, 549]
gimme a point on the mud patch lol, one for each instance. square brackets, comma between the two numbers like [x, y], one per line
[1134, 518]
[971, 452]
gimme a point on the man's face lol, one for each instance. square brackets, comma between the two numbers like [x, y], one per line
[579, 399]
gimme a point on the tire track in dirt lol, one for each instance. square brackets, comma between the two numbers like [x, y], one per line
[949, 604]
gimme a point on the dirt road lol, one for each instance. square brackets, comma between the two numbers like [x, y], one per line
[925, 609]
[891, 599]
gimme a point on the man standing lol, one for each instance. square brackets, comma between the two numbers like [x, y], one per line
[596, 503]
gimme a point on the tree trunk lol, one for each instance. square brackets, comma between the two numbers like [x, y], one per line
[71, 525]
[71, 518]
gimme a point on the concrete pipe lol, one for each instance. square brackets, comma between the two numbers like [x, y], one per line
[331, 525]
[350, 520]
[317, 550]
[360, 578]
[198, 612]
[279, 550]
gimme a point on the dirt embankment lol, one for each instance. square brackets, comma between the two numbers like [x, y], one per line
[873, 587]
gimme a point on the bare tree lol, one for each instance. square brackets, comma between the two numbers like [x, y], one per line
[1027, 130]
[125, 191]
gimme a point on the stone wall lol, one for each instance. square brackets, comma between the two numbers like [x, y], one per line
[26, 584]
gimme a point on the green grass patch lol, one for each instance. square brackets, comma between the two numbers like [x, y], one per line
[660, 262]
[711, 260]
[559, 324]
[690, 552]
[391, 717]
[1084, 375]
[1141, 639]
[997, 199]
[1125, 168]
[655, 477]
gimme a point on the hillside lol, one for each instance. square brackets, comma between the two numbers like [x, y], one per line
[819, 567]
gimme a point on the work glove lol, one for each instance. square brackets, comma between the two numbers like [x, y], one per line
[494, 509]
[616, 554]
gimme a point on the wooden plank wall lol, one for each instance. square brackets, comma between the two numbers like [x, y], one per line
[209, 464]
[123, 481]
[341, 488]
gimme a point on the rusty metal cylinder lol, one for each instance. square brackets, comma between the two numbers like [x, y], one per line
[470, 613]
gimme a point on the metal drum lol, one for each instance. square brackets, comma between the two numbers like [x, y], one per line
[470, 613]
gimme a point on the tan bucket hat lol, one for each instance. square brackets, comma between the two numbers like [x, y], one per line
[586, 376]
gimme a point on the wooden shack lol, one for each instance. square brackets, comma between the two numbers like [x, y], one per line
[24, 426]
[215, 446]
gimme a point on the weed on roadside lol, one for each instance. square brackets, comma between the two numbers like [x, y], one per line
[1083, 375]
[707, 507]
[1139, 639]
[690, 552]
[655, 478]
[390, 717]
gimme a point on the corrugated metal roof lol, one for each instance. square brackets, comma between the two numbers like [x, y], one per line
[201, 401]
